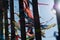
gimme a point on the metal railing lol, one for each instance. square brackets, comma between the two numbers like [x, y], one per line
[4, 15]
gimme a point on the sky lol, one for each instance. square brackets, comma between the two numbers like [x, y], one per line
[45, 11]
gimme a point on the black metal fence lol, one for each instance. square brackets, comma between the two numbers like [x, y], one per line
[4, 23]
[4, 6]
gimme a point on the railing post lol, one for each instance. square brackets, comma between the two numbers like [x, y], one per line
[56, 6]
[12, 19]
[36, 20]
[58, 21]
[6, 25]
[1, 19]
[1, 24]
[5, 16]
[22, 20]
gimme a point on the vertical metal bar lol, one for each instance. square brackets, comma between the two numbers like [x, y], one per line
[1, 24]
[58, 17]
[12, 19]
[1, 20]
[6, 25]
[22, 20]
[5, 14]
[36, 20]
[58, 21]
